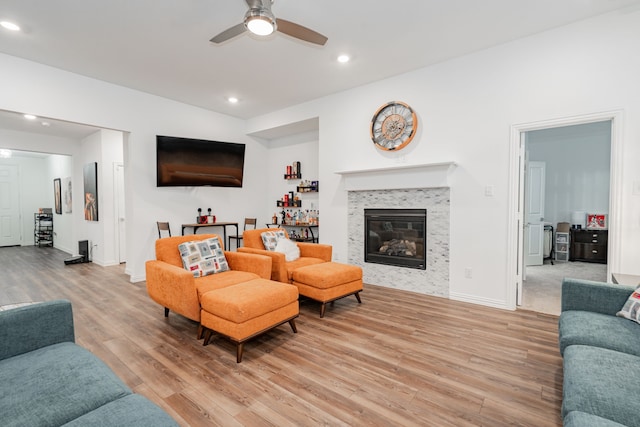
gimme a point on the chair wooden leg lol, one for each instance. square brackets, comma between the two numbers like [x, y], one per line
[239, 350]
[292, 322]
[166, 312]
[357, 294]
[207, 337]
[322, 308]
[200, 333]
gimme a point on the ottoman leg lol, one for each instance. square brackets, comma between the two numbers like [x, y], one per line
[239, 351]
[357, 294]
[322, 308]
[292, 322]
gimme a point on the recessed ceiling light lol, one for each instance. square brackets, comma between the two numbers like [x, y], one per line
[46, 124]
[30, 117]
[343, 58]
[9, 26]
[4, 153]
[233, 99]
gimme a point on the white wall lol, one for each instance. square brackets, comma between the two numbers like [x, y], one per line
[303, 148]
[59, 166]
[577, 160]
[49, 92]
[466, 109]
[36, 181]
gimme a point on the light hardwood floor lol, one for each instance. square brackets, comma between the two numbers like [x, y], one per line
[398, 359]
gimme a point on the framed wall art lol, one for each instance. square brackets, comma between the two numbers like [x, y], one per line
[90, 175]
[596, 221]
[67, 195]
[57, 195]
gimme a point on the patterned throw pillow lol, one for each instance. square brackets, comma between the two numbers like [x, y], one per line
[631, 309]
[203, 257]
[270, 239]
[290, 250]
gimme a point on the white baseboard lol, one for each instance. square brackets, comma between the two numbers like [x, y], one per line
[136, 279]
[474, 299]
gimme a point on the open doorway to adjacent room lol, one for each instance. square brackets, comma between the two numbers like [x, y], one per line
[565, 174]
[37, 152]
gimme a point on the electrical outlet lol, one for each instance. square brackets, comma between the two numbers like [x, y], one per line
[489, 191]
[468, 273]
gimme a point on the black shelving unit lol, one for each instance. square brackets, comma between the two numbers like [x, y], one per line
[43, 229]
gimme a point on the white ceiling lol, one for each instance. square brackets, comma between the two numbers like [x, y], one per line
[162, 46]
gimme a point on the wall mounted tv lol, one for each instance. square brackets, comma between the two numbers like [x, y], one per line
[197, 162]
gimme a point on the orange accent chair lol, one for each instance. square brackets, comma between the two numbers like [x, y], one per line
[314, 274]
[175, 288]
[281, 269]
[240, 303]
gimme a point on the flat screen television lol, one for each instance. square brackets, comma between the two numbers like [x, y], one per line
[197, 162]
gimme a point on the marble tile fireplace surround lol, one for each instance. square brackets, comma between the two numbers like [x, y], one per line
[409, 187]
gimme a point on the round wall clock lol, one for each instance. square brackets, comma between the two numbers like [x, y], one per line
[393, 126]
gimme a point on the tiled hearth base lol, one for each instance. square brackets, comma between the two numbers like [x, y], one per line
[432, 281]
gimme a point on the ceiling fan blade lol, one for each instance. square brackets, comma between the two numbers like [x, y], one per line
[229, 33]
[300, 32]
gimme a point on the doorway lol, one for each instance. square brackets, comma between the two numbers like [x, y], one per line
[120, 225]
[567, 188]
[10, 234]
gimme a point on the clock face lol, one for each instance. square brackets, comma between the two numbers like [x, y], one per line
[393, 126]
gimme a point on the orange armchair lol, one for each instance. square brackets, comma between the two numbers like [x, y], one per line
[175, 288]
[281, 269]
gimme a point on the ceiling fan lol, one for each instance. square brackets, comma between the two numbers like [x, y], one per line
[261, 21]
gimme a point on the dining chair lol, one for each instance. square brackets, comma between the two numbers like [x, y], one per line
[248, 223]
[163, 227]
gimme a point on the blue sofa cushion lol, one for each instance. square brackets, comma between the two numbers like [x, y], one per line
[601, 382]
[131, 410]
[54, 385]
[599, 330]
[581, 419]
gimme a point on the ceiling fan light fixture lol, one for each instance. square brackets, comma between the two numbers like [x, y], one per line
[260, 22]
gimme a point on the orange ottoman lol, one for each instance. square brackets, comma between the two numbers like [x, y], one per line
[328, 282]
[246, 310]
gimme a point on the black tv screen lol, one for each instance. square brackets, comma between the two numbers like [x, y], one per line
[198, 162]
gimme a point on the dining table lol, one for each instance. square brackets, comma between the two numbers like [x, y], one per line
[223, 224]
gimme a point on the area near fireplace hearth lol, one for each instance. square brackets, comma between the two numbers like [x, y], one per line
[434, 279]
[411, 187]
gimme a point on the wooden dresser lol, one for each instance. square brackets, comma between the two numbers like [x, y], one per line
[588, 245]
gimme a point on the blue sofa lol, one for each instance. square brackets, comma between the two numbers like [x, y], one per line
[48, 380]
[601, 356]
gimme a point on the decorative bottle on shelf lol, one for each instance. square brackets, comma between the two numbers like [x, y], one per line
[274, 219]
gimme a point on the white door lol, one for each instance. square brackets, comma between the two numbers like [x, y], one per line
[120, 219]
[9, 206]
[534, 214]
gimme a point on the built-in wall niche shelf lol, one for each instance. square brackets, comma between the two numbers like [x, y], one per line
[424, 175]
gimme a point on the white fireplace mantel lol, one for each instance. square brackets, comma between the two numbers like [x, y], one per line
[426, 175]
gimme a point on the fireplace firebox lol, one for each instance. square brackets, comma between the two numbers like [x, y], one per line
[396, 237]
